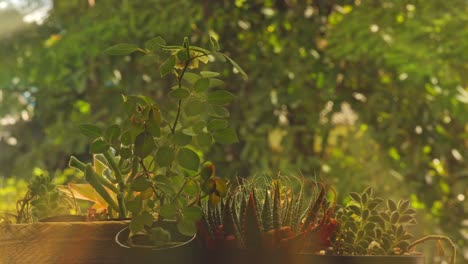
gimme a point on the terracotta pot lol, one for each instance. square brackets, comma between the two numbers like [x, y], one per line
[274, 257]
[187, 251]
[61, 242]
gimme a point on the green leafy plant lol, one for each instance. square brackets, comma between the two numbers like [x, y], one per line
[371, 226]
[42, 200]
[267, 219]
[148, 166]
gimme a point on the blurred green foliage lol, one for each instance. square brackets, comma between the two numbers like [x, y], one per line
[354, 92]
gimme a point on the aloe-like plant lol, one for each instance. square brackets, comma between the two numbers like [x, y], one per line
[274, 218]
[148, 167]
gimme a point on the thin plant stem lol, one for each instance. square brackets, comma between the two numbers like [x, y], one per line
[437, 238]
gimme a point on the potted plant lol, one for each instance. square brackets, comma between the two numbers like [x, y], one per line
[269, 226]
[44, 231]
[148, 167]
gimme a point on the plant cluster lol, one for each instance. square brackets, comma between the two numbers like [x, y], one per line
[148, 167]
[42, 200]
[269, 219]
[370, 225]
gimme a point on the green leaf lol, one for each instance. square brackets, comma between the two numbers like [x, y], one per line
[144, 144]
[182, 55]
[112, 134]
[182, 139]
[217, 124]
[89, 130]
[141, 184]
[186, 227]
[218, 111]
[138, 222]
[165, 156]
[134, 205]
[204, 139]
[215, 83]
[194, 107]
[155, 43]
[153, 122]
[356, 197]
[125, 153]
[237, 67]
[121, 49]
[99, 146]
[168, 211]
[209, 74]
[167, 66]
[193, 213]
[188, 159]
[225, 136]
[180, 93]
[391, 205]
[149, 59]
[214, 43]
[191, 77]
[220, 97]
[201, 84]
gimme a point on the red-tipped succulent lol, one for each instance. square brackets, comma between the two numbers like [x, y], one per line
[271, 219]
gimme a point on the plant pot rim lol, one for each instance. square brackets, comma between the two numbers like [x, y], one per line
[117, 240]
[365, 256]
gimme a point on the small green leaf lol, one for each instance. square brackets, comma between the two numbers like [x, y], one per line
[194, 107]
[182, 55]
[391, 205]
[217, 124]
[112, 134]
[168, 211]
[182, 139]
[99, 146]
[356, 197]
[134, 205]
[149, 59]
[155, 43]
[144, 144]
[220, 97]
[218, 111]
[188, 159]
[160, 236]
[215, 83]
[121, 49]
[191, 77]
[209, 74]
[237, 67]
[165, 156]
[204, 139]
[225, 136]
[404, 219]
[186, 227]
[214, 43]
[394, 217]
[167, 66]
[180, 93]
[201, 84]
[141, 184]
[89, 130]
[193, 213]
[138, 222]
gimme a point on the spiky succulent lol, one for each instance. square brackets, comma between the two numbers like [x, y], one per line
[272, 218]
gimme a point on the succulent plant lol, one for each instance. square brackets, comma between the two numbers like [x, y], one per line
[371, 226]
[273, 218]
